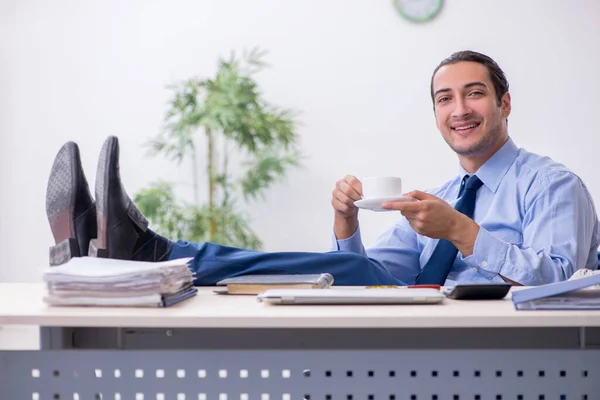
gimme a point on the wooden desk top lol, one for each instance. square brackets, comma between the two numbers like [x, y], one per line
[21, 303]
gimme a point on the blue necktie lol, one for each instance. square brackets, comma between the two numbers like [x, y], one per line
[439, 265]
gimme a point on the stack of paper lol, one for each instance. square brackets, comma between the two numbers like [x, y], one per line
[90, 281]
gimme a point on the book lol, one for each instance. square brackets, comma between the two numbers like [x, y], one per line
[580, 293]
[255, 284]
[90, 281]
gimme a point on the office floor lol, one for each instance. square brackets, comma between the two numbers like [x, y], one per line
[19, 337]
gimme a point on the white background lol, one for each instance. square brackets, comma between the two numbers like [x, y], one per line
[355, 70]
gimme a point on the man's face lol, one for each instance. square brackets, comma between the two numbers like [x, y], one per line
[466, 111]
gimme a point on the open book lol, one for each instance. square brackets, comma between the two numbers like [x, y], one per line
[255, 284]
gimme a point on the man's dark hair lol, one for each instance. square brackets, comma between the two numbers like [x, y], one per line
[496, 74]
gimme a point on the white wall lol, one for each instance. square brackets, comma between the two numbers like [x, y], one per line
[81, 70]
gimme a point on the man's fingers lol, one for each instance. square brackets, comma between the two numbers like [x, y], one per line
[351, 191]
[341, 206]
[354, 182]
[404, 206]
[417, 194]
[341, 198]
[410, 214]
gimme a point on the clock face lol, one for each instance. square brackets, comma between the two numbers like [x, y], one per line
[418, 10]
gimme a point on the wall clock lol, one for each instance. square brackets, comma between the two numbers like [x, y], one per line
[418, 10]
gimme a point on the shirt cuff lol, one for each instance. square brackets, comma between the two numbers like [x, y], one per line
[352, 244]
[489, 253]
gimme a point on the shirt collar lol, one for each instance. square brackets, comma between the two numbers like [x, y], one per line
[494, 169]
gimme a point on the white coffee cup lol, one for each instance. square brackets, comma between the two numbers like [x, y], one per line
[378, 187]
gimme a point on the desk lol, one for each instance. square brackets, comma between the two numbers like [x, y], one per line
[226, 347]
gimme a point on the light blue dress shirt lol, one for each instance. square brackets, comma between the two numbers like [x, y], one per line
[538, 225]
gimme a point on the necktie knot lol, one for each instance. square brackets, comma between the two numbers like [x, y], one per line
[473, 183]
[469, 182]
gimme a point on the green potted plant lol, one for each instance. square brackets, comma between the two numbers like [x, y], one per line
[238, 124]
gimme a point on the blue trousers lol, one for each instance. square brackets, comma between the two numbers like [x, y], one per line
[214, 262]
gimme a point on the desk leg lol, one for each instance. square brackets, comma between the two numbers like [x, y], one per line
[56, 338]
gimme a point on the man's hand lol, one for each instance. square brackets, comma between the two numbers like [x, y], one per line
[347, 191]
[435, 218]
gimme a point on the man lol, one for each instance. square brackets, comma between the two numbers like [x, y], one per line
[536, 221]
[509, 215]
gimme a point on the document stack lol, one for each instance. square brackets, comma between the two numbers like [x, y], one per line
[91, 281]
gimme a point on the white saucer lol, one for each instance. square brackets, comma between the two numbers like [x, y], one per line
[376, 204]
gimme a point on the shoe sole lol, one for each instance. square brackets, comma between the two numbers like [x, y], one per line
[60, 204]
[100, 247]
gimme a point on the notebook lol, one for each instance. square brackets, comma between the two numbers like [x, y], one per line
[255, 284]
[351, 296]
[580, 293]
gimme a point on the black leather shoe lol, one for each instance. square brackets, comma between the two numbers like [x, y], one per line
[69, 206]
[122, 229]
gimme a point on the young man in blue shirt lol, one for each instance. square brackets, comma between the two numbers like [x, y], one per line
[508, 216]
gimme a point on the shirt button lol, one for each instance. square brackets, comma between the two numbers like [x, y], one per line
[484, 264]
[475, 269]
